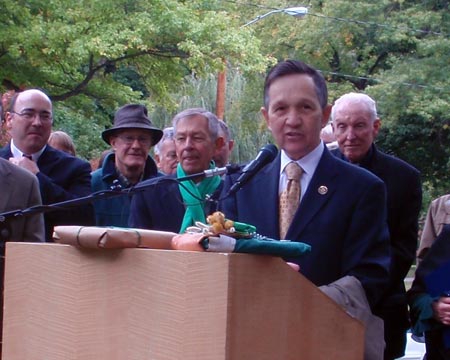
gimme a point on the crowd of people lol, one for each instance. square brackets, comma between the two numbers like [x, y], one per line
[356, 206]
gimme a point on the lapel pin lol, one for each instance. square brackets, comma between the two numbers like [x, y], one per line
[322, 190]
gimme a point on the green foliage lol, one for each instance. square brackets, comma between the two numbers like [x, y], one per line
[94, 56]
[115, 52]
[396, 51]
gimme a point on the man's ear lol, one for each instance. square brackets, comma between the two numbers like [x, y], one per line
[8, 120]
[376, 126]
[326, 115]
[265, 114]
[112, 142]
[220, 142]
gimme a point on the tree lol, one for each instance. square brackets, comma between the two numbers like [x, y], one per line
[74, 50]
[396, 51]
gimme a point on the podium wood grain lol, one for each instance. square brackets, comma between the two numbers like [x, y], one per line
[65, 303]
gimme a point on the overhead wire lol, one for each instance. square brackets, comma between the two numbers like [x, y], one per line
[355, 21]
[365, 23]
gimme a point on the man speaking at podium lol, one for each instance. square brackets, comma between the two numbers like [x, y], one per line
[339, 209]
[172, 206]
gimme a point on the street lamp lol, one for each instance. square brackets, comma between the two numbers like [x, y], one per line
[298, 11]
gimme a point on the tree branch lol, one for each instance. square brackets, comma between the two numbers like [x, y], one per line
[105, 63]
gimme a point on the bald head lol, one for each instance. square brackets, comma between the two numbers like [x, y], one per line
[29, 120]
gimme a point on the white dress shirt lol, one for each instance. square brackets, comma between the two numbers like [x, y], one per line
[308, 163]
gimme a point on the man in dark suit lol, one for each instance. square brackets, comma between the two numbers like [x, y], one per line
[61, 176]
[356, 125]
[342, 209]
[171, 206]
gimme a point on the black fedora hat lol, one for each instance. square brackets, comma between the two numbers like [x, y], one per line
[132, 116]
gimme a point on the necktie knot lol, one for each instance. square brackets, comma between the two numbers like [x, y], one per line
[27, 156]
[293, 171]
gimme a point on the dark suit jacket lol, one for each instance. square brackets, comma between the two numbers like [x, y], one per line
[62, 177]
[160, 206]
[342, 216]
[404, 200]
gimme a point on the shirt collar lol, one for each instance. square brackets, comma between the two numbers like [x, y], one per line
[18, 153]
[308, 162]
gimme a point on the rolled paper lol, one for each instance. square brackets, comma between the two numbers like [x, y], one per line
[112, 237]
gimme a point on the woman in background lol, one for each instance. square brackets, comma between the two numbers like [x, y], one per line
[62, 141]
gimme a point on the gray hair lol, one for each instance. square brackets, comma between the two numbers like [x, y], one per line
[168, 134]
[224, 130]
[353, 97]
[213, 121]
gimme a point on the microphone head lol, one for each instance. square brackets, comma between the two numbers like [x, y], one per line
[266, 155]
[271, 150]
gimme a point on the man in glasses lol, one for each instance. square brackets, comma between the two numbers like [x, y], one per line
[61, 177]
[131, 138]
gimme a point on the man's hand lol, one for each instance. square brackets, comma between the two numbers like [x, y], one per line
[26, 164]
[441, 310]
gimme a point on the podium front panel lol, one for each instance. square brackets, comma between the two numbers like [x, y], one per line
[66, 303]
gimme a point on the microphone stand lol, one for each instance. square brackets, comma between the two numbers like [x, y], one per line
[116, 190]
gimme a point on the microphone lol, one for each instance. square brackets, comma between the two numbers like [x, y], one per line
[229, 169]
[266, 155]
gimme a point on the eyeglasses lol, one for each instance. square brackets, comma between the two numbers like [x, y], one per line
[31, 115]
[129, 140]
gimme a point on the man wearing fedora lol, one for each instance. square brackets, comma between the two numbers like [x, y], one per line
[131, 138]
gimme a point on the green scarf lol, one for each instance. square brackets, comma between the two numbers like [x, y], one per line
[194, 206]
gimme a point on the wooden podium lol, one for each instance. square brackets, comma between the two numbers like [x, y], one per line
[66, 303]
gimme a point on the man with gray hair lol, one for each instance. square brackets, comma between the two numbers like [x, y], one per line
[356, 125]
[222, 157]
[171, 205]
[165, 153]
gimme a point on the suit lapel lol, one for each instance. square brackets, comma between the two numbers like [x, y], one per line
[46, 160]
[319, 192]
[269, 198]
[264, 188]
